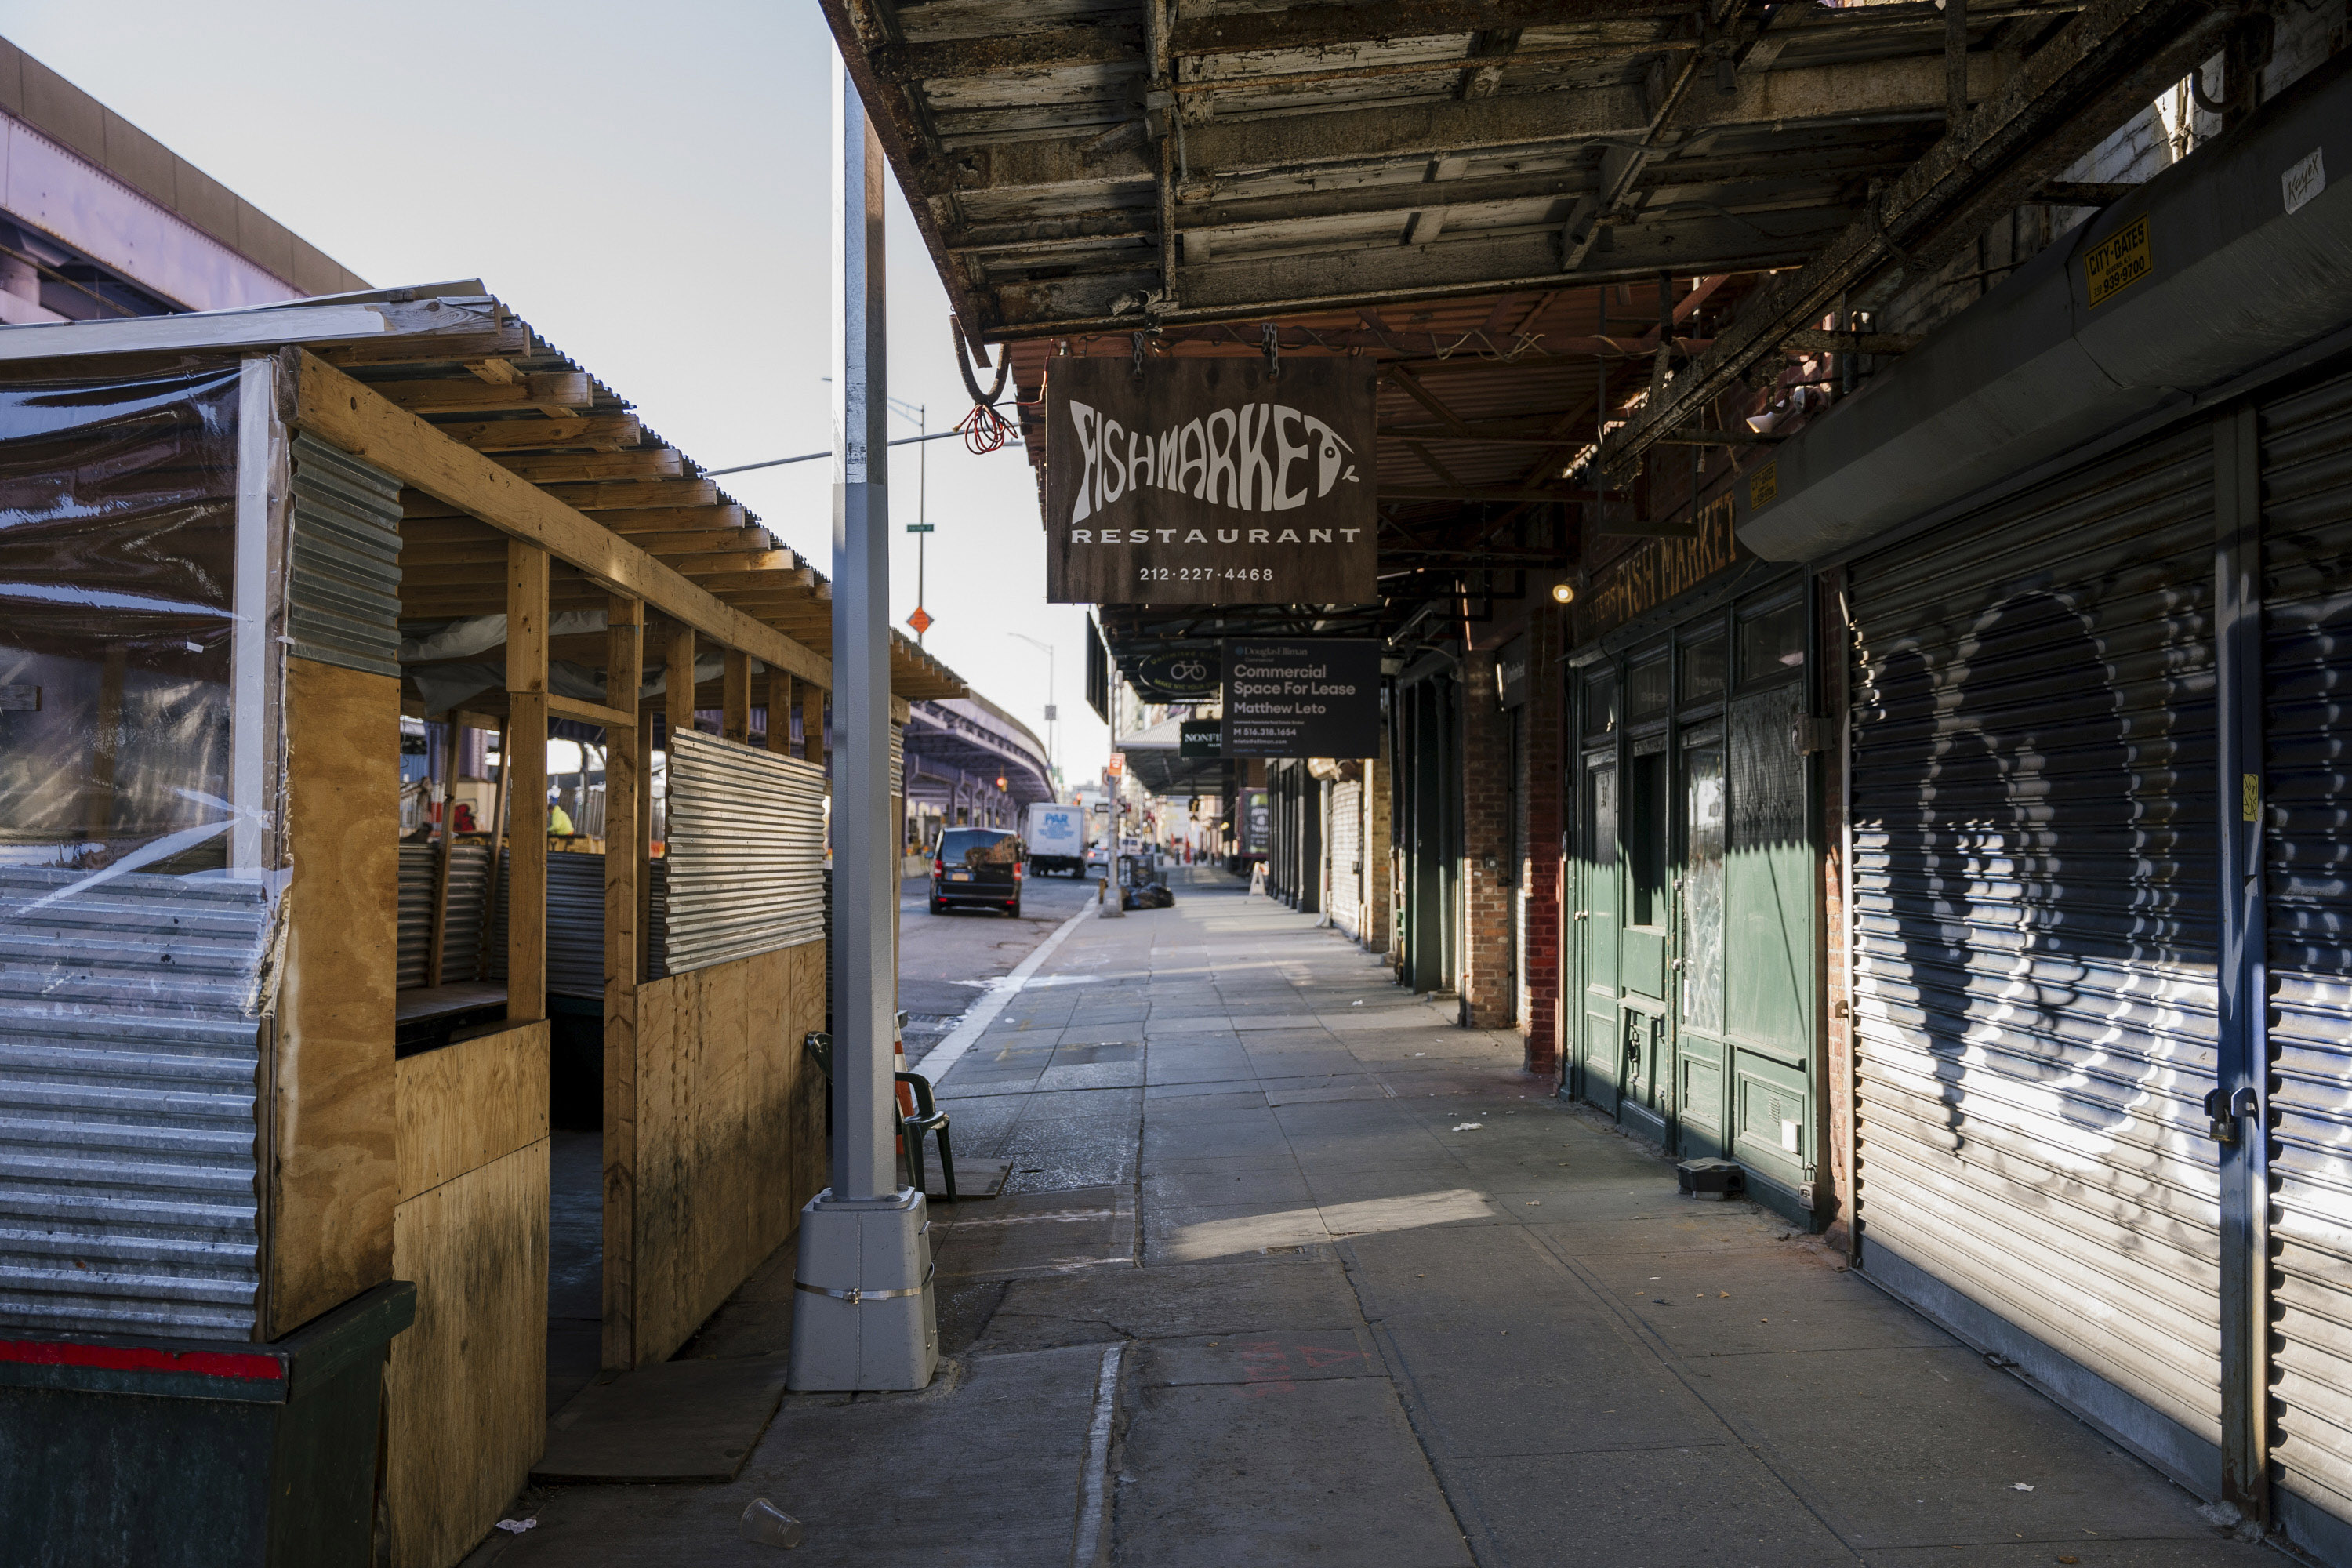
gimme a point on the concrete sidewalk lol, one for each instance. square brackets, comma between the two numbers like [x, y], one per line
[1292, 1270]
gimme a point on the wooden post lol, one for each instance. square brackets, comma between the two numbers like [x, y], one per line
[735, 701]
[813, 726]
[437, 947]
[678, 679]
[526, 769]
[491, 895]
[780, 712]
[624, 856]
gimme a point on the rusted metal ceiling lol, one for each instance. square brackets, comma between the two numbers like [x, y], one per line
[1083, 165]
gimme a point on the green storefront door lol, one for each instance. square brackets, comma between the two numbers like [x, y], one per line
[1597, 926]
[1696, 870]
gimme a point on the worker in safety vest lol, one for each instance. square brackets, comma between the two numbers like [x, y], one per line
[559, 821]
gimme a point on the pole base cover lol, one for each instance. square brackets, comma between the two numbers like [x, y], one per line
[864, 1315]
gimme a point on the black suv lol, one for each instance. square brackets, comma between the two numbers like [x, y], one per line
[982, 867]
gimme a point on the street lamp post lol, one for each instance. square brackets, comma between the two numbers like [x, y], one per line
[1053, 711]
[865, 1318]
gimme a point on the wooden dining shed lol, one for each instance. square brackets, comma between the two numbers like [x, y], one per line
[236, 549]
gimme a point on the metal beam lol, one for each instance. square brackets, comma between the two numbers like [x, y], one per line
[2101, 70]
[1525, 259]
[1325, 27]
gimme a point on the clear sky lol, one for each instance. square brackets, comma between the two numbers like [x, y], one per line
[648, 189]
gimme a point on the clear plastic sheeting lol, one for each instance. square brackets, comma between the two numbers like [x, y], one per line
[139, 639]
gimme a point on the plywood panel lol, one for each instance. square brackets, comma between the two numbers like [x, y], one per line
[333, 1169]
[728, 1132]
[470, 1103]
[468, 1383]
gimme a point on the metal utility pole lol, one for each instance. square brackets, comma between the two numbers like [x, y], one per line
[1053, 711]
[865, 1319]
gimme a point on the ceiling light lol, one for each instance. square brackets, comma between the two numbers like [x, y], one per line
[1563, 592]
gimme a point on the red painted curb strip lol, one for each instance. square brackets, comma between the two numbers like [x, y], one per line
[142, 1358]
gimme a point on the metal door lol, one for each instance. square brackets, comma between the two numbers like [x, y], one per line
[1768, 901]
[1598, 1055]
[2304, 797]
[2033, 830]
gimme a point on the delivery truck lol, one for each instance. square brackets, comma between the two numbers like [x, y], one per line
[1057, 840]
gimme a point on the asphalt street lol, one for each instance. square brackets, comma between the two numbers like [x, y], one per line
[946, 962]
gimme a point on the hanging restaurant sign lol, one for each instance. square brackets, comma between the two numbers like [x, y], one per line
[1209, 481]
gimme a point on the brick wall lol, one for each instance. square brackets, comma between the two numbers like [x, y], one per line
[1488, 995]
[1540, 792]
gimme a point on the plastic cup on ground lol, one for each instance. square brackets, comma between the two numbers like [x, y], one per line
[769, 1525]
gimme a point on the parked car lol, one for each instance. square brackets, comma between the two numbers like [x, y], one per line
[981, 868]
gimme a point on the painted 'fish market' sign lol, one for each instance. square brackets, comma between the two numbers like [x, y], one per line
[1209, 481]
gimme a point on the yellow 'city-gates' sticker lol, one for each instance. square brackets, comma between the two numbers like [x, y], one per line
[2117, 262]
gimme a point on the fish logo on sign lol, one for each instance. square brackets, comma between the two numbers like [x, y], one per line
[1242, 458]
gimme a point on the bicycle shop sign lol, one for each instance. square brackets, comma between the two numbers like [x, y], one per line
[1209, 481]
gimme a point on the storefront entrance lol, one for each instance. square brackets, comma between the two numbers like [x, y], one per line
[1693, 989]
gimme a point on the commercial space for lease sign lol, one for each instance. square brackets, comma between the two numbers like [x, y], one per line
[1209, 481]
[1302, 697]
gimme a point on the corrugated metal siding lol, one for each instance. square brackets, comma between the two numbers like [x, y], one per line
[1347, 849]
[2033, 819]
[575, 924]
[343, 589]
[897, 759]
[2307, 665]
[746, 852]
[469, 884]
[128, 1052]
[420, 866]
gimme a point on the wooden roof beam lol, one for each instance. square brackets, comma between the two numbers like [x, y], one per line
[595, 468]
[557, 393]
[348, 414]
[602, 432]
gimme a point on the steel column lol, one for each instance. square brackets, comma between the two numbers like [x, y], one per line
[866, 1319]
[2240, 1106]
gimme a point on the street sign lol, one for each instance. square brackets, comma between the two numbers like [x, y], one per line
[1051, 714]
[1303, 696]
[1209, 481]
[1118, 765]
[922, 528]
[920, 620]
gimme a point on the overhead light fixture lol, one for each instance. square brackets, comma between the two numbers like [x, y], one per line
[1563, 592]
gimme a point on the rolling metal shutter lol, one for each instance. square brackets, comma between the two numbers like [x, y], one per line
[746, 852]
[2307, 668]
[128, 1050]
[344, 591]
[2033, 821]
